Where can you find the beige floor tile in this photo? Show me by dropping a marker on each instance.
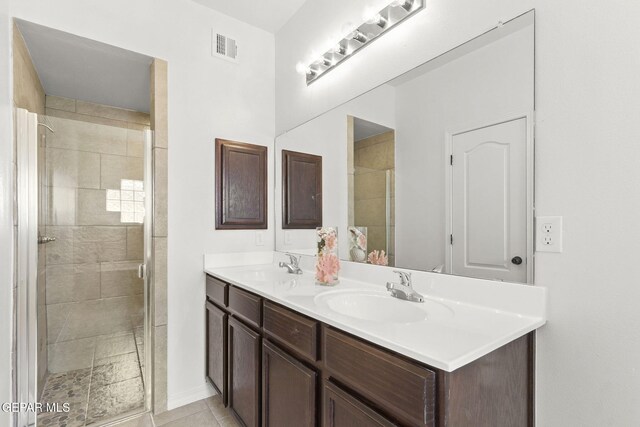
(142, 421)
(200, 419)
(181, 412)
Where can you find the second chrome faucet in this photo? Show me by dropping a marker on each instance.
(404, 290)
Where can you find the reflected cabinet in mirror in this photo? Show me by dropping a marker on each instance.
(434, 169)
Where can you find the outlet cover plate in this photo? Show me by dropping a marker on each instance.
(549, 234)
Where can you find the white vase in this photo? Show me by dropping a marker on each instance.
(357, 254)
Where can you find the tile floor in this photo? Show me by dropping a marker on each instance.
(111, 385)
(203, 413)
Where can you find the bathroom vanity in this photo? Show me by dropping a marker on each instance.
(283, 351)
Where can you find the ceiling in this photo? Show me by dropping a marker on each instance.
(363, 129)
(270, 15)
(79, 68)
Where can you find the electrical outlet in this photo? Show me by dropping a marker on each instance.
(549, 234)
(288, 238)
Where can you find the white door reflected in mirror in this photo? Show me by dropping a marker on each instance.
(488, 202)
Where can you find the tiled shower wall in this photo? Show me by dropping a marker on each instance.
(91, 269)
(373, 156)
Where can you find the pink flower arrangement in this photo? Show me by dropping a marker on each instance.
(330, 241)
(327, 268)
(378, 258)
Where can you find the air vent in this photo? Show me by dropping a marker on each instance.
(224, 47)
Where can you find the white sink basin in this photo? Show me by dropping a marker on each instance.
(380, 306)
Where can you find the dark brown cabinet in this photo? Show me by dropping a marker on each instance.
(288, 390)
(301, 190)
(241, 186)
(343, 410)
(217, 349)
(244, 372)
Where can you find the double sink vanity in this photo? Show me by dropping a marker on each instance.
(284, 351)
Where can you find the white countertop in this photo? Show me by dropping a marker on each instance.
(453, 332)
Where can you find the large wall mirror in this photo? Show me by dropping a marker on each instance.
(435, 167)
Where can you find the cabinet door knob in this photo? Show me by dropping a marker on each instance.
(516, 260)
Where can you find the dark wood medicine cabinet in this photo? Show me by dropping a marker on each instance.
(301, 190)
(241, 186)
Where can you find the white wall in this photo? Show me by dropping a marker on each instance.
(6, 210)
(326, 136)
(587, 157)
(486, 86)
(208, 98)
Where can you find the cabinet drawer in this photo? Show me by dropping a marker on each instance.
(401, 388)
(342, 409)
(246, 306)
(217, 291)
(291, 329)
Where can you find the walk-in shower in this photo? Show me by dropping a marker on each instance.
(85, 300)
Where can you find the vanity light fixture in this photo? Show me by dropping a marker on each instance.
(381, 22)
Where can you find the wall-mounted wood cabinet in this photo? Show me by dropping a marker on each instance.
(285, 369)
(301, 190)
(241, 186)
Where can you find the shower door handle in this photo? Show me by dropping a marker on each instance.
(142, 271)
(45, 239)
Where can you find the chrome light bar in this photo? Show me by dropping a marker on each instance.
(388, 18)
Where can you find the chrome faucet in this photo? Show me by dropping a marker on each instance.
(404, 289)
(293, 266)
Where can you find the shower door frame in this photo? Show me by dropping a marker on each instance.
(26, 327)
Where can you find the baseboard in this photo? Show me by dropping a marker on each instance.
(189, 396)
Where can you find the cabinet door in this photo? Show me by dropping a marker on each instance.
(344, 410)
(217, 349)
(244, 372)
(289, 390)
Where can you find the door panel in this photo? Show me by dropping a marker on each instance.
(217, 349)
(244, 372)
(289, 390)
(489, 202)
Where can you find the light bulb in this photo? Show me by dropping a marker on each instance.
(339, 49)
(301, 68)
(405, 4)
(377, 20)
(358, 36)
